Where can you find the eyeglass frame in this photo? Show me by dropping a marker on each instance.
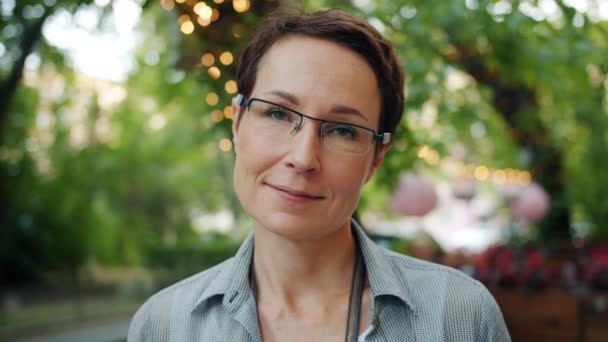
(383, 138)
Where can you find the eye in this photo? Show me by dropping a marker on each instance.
(278, 114)
(343, 131)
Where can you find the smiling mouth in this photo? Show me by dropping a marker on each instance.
(295, 193)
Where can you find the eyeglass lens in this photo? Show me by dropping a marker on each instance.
(277, 124)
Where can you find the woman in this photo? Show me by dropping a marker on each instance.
(321, 96)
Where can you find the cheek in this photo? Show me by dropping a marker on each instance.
(245, 178)
(252, 159)
(349, 179)
(245, 162)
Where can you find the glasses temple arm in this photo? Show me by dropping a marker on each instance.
(384, 138)
(241, 100)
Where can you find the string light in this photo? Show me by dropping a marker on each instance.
(218, 1)
(230, 87)
(499, 176)
(180, 1)
(229, 112)
(216, 115)
(430, 156)
(241, 5)
(226, 58)
(481, 173)
(225, 145)
(183, 18)
(215, 14)
(203, 10)
(207, 59)
(199, 6)
(167, 5)
(511, 175)
(212, 99)
(187, 27)
(214, 73)
(203, 22)
(524, 177)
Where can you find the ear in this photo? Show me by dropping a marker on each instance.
(235, 121)
(378, 159)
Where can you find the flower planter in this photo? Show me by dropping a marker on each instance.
(553, 315)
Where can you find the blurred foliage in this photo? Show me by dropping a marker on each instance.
(535, 81)
(109, 197)
(529, 92)
(173, 263)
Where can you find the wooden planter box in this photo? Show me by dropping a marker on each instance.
(553, 315)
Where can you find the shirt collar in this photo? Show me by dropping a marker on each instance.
(384, 278)
(232, 280)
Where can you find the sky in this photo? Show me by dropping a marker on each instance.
(107, 52)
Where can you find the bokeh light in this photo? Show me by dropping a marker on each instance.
(215, 14)
(241, 5)
(207, 59)
(229, 112)
(214, 73)
(183, 18)
(187, 27)
(167, 5)
(217, 115)
(230, 87)
(203, 10)
(481, 173)
(225, 145)
(212, 99)
(203, 22)
(226, 58)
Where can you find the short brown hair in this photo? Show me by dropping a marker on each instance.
(343, 29)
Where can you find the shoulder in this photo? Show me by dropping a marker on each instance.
(182, 295)
(430, 275)
(427, 281)
(442, 291)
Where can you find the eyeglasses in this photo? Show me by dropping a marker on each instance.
(278, 124)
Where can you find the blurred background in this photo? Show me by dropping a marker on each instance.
(116, 159)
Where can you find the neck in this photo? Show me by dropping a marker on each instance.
(297, 272)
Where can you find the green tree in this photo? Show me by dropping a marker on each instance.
(112, 195)
(540, 70)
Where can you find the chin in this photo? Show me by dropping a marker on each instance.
(295, 228)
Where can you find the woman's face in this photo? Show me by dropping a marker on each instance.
(299, 189)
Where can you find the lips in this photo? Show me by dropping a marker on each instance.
(295, 192)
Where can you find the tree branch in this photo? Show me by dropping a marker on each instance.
(9, 86)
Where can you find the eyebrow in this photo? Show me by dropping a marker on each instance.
(285, 96)
(339, 109)
(348, 110)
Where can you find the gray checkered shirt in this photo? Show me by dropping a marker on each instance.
(411, 300)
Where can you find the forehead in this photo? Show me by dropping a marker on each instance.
(320, 74)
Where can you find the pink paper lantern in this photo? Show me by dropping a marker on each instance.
(531, 204)
(414, 196)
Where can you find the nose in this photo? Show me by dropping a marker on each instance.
(303, 153)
